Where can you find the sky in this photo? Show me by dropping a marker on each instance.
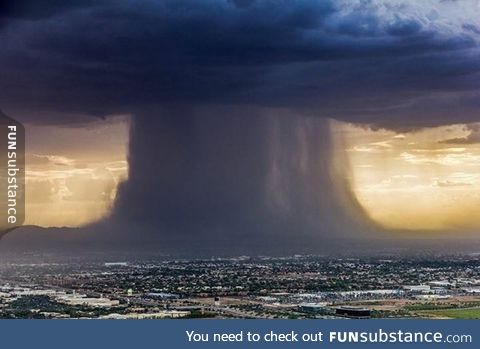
(72, 173)
(246, 125)
(426, 180)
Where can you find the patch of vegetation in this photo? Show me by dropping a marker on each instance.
(34, 307)
(430, 306)
(459, 313)
(400, 313)
(196, 314)
(439, 306)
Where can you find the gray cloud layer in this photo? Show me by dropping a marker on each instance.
(365, 61)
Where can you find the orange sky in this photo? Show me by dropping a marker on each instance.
(427, 179)
(72, 173)
(413, 180)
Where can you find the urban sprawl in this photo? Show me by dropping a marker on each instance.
(244, 287)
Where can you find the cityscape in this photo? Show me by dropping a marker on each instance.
(209, 166)
(295, 287)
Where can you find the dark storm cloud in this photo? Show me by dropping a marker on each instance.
(31, 9)
(295, 54)
(37, 10)
(221, 175)
(243, 3)
(229, 98)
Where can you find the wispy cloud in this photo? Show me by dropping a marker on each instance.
(472, 138)
(442, 159)
(449, 183)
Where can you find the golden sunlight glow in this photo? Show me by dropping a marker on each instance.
(72, 173)
(427, 179)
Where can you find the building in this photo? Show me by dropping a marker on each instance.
(471, 290)
(74, 299)
(162, 295)
(312, 308)
(431, 297)
(443, 284)
(170, 314)
(417, 288)
(116, 264)
(353, 312)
